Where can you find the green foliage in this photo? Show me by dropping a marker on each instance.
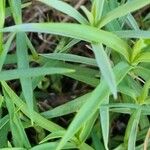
(119, 74)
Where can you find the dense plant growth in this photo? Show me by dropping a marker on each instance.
(99, 53)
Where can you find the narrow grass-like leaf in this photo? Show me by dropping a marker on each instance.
(85, 146)
(97, 9)
(88, 14)
(83, 77)
(104, 120)
(33, 51)
(2, 20)
(22, 55)
(130, 87)
(69, 45)
(105, 67)
(38, 119)
(19, 136)
(127, 105)
(133, 34)
(144, 92)
(80, 73)
(142, 72)
(4, 129)
(70, 58)
(141, 146)
(32, 72)
(53, 135)
(75, 105)
(146, 141)
(97, 144)
(120, 11)
(65, 8)
(15, 6)
(123, 111)
(85, 130)
(131, 131)
(10, 59)
(86, 75)
(23, 63)
(143, 57)
(6, 49)
(52, 146)
(92, 104)
(2, 12)
(82, 32)
(13, 148)
(8, 11)
(127, 91)
(137, 48)
(132, 22)
(68, 108)
(4, 121)
(109, 6)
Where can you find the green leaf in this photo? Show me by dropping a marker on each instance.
(31, 47)
(115, 24)
(15, 6)
(4, 129)
(31, 72)
(52, 146)
(8, 11)
(128, 108)
(69, 45)
(133, 34)
(82, 32)
(144, 92)
(85, 146)
(132, 22)
(105, 67)
(140, 147)
(97, 9)
(53, 135)
(65, 8)
(2, 12)
(88, 14)
(85, 130)
(143, 57)
(130, 87)
(96, 139)
(124, 89)
(19, 136)
(104, 120)
(131, 131)
(94, 101)
(142, 72)
(23, 63)
(138, 46)
(122, 10)
(70, 58)
(13, 149)
(83, 74)
(38, 119)
(6, 49)
(2, 20)
(67, 108)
